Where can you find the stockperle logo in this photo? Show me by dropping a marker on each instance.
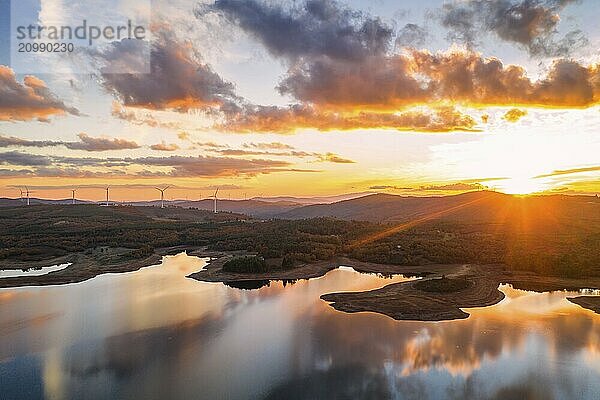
(79, 36)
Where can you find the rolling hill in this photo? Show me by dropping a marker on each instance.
(314, 200)
(482, 206)
(255, 208)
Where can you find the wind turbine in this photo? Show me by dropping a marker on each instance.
(21, 197)
(214, 196)
(27, 193)
(107, 189)
(162, 195)
(73, 198)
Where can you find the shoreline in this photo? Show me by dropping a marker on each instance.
(403, 301)
(212, 272)
(85, 266)
(400, 301)
(591, 303)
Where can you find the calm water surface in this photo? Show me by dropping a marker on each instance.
(153, 334)
(6, 273)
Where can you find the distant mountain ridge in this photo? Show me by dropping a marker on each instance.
(314, 200)
(255, 208)
(478, 206)
(483, 206)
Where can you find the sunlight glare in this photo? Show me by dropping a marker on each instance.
(521, 185)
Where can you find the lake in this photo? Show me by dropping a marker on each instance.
(7, 273)
(154, 334)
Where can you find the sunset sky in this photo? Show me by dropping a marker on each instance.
(264, 98)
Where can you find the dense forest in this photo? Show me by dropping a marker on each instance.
(45, 231)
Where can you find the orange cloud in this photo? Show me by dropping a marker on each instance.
(164, 146)
(514, 114)
(570, 171)
(419, 77)
(268, 146)
(334, 158)
(287, 120)
(28, 100)
(89, 143)
(178, 79)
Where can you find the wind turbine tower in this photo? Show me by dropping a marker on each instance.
(162, 195)
(215, 200)
(73, 197)
(27, 193)
(107, 189)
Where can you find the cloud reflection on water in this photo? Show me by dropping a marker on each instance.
(155, 334)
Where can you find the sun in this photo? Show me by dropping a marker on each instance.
(521, 185)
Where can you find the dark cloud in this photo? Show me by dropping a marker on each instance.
(87, 143)
(28, 100)
(10, 141)
(213, 166)
(375, 81)
(343, 74)
(178, 166)
(411, 35)
(23, 159)
(74, 172)
(531, 24)
(178, 79)
(312, 28)
(421, 77)
(52, 172)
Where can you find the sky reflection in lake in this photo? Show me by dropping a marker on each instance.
(155, 334)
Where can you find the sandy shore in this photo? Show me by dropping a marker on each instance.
(589, 302)
(87, 265)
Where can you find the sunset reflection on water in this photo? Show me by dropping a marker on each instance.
(155, 334)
